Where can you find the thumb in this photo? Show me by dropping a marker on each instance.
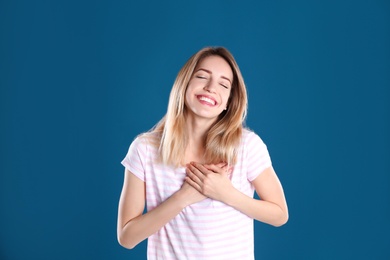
(221, 165)
(228, 169)
(217, 168)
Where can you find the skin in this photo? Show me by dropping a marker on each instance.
(212, 79)
(213, 182)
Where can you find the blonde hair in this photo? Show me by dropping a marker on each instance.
(224, 135)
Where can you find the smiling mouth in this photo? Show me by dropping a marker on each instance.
(207, 100)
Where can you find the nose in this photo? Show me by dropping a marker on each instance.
(210, 86)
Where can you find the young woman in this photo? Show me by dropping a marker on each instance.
(197, 171)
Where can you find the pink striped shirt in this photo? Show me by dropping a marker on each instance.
(208, 229)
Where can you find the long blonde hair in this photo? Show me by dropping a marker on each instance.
(224, 135)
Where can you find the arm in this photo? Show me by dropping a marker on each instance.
(212, 181)
(271, 208)
(133, 226)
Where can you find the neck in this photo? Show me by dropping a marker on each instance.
(197, 128)
(196, 132)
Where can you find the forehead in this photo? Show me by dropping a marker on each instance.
(216, 65)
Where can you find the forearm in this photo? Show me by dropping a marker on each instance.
(261, 210)
(139, 228)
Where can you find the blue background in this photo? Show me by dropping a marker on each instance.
(80, 79)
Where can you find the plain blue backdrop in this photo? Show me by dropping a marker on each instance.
(80, 79)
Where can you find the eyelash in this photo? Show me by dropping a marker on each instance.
(203, 77)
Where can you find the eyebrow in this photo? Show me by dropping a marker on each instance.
(208, 71)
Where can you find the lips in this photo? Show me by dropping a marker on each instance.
(207, 100)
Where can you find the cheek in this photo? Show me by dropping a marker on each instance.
(226, 97)
(188, 97)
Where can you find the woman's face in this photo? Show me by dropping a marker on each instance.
(209, 89)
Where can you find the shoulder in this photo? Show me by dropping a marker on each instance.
(147, 139)
(250, 137)
(145, 143)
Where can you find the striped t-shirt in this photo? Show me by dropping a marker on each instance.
(208, 229)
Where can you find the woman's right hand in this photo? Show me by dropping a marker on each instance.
(133, 225)
(189, 194)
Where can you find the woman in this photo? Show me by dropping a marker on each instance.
(197, 171)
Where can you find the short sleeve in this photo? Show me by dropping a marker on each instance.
(135, 157)
(258, 158)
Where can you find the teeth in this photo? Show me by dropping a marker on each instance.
(208, 100)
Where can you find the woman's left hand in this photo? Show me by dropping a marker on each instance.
(211, 180)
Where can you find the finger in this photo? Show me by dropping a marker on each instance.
(193, 184)
(194, 174)
(228, 169)
(199, 169)
(217, 169)
(221, 164)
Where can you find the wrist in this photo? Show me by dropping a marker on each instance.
(179, 199)
(232, 197)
